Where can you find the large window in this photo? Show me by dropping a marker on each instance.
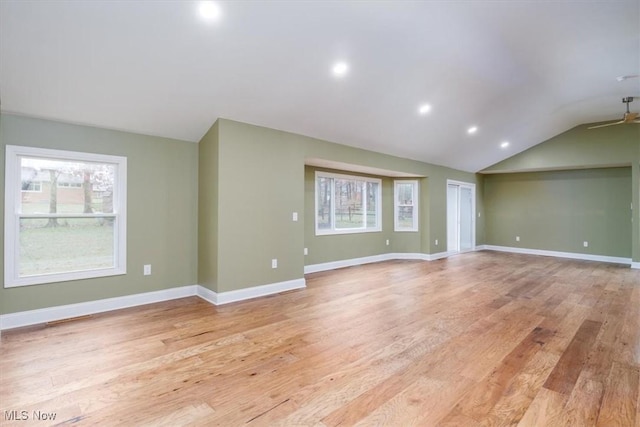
(405, 205)
(347, 204)
(65, 216)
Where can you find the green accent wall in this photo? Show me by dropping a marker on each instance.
(327, 248)
(261, 179)
(480, 211)
(337, 247)
(208, 180)
(261, 184)
(433, 187)
(559, 210)
(217, 213)
(162, 202)
(576, 149)
(635, 229)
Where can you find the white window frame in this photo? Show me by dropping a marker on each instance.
(333, 230)
(397, 205)
(12, 216)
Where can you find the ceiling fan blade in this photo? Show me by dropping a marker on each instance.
(608, 124)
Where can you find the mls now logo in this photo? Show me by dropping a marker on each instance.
(16, 415)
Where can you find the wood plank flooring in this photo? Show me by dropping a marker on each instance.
(480, 339)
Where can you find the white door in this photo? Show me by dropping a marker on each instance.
(460, 216)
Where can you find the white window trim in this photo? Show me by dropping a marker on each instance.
(396, 205)
(333, 230)
(12, 216)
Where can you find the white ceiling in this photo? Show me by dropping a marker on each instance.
(522, 71)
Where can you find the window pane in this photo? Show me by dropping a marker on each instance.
(65, 186)
(323, 192)
(405, 194)
(372, 205)
(352, 204)
(59, 245)
(405, 217)
(349, 208)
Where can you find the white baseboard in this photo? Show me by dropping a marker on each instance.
(207, 294)
(50, 314)
(439, 255)
(219, 298)
(635, 265)
(557, 254)
(407, 255)
(314, 268)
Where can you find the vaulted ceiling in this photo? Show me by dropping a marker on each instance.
(520, 71)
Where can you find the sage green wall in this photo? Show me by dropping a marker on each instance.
(635, 185)
(480, 211)
(208, 181)
(559, 210)
(261, 184)
(335, 247)
(582, 148)
(251, 181)
(263, 170)
(161, 210)
(433, 189)
(577, 148)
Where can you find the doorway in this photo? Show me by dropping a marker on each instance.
(461, 214)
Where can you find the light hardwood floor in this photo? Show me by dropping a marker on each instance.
(477, 339)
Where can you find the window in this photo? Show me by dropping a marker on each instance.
(405, 206)
(347, 204)
(31, 187)
(69, 184)
(61, 235)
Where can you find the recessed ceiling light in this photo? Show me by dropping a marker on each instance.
(424, 109)
(209, 10)
(505, 144)
(472, 130)
(340, 69)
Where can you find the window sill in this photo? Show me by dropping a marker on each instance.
(348, 231)
(62, 277)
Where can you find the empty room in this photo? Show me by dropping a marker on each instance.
(320, 213)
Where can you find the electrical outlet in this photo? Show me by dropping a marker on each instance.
(295, 216)
(387, 242)
(436, 242)
(274, 263)
(517, 238)
(306, 251)
(147, 270)
(585, 244)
